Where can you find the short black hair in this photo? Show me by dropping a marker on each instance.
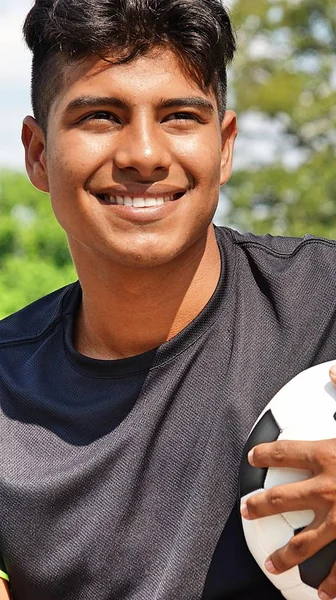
(59, 32)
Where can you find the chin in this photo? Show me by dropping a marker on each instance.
(145, 260)
(132, 252)
(147, 251)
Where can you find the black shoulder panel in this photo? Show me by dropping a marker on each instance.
(253, 478)
(315, 569)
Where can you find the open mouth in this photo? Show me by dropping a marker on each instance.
(139, 201)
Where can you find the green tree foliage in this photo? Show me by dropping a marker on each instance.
(34, 257)
(285, 75)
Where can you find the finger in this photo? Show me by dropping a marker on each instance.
(286, 453)
(327, 589)
(301, 547)
(332, 374)
(302, 495)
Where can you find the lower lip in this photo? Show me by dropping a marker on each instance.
(142, 215)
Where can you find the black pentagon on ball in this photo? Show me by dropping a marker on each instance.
(316, 568)
(253, 478)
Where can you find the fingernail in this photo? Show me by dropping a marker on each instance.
(244, 510)
(333, 370)
(270, 567)
(323, 596)
(251, 453)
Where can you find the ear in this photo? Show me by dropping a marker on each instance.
(229, 133)
(33, 140)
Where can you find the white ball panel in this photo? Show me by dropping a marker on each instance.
(318, 427)
(284, 475)
(304, 410)
(299, 398)
(299, 518)
(301, 592)
(274, 477)
(291, 400)
(271, 533)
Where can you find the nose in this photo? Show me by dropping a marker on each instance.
(143, 147)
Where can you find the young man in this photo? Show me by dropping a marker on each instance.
(126, 398)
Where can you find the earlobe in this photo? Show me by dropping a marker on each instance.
(229, 134)
(33, 140)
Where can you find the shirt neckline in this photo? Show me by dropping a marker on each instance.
(156, 357)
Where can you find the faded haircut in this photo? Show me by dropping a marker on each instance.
(61, 32)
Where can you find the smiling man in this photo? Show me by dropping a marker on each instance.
(126, 398)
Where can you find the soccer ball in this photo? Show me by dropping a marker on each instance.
(304, 409)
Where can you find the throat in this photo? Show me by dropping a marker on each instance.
(142, 310)
(116, 334)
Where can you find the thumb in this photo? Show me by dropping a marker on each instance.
(332, 373)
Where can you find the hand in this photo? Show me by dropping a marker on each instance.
(4, 593)
(317, 493)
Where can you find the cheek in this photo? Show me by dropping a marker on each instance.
(74, 159)
(201, 158)
(67, 173)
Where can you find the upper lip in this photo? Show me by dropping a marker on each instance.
(141, 191)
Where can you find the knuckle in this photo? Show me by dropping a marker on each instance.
(298, 547)
(329, 447)
(325, 452)
(279, 454)
(326, 492)
(258, 453)
(331, 521)
(276, 499)
(321, 456)
(330, 490)
(279, 563)
(252, 506)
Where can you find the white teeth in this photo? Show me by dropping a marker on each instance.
(150, 201)
(138, 201)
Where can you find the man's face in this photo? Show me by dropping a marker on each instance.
(133, 159)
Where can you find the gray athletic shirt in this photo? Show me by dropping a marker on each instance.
(117, 477)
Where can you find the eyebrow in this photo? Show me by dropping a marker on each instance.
(189, 101)
(113, 102)
(94, 101)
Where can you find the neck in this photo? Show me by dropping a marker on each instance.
(127, 311)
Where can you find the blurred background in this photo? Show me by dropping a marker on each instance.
(283, 87)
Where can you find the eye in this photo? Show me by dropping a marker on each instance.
(101, 115)
(182, 116)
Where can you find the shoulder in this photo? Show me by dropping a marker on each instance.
(283, 264)
(276, 245)
(34, 320)
(275, 253)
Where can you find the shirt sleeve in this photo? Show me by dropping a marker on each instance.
(3, 570)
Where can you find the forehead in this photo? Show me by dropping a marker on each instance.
(145, 79)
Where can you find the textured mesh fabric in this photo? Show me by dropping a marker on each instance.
(117, 478)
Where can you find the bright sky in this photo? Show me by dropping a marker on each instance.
(15, 61)
(15, 64)
(14, 80)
